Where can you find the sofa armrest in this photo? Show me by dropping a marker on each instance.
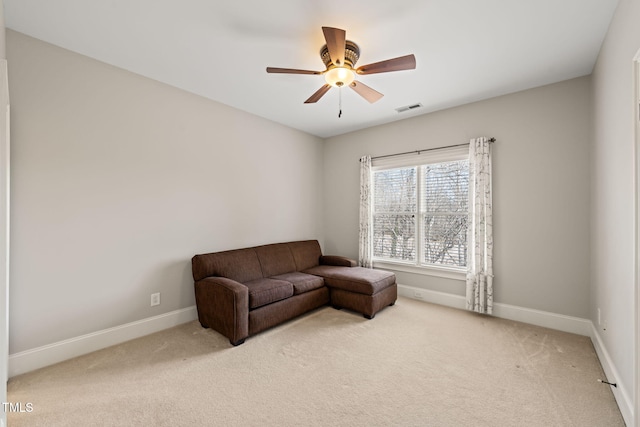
(223, 304)
(337, 261)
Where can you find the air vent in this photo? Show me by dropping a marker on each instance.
(409, 107)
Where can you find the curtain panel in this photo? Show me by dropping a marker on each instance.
(365, 250)
(480, 229)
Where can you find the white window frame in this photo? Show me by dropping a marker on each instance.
(426, 157)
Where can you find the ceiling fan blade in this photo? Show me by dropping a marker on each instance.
(407, 62)
(290, 71)
(366, 92)
(316, 96)
(335, 39)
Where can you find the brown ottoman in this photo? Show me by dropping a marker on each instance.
(364, 290)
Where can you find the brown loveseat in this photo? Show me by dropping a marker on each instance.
(244, 291)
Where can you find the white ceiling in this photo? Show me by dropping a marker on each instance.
(466, 50)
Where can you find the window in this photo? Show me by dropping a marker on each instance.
(420, 210)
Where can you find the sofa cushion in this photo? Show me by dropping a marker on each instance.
(275, 259)
(266, 291)
(306, 253)
(240, 265)
(301, 282)
(354, 279)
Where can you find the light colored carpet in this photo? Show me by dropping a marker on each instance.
(415, 364)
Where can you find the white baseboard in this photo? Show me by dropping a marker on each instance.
(440, 298)
(625, 403)
(545, 319)
(36, 358)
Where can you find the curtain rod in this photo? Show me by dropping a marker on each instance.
(426, 149)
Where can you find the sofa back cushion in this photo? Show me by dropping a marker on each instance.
(306, 253)
(275, 259)
(241, 265)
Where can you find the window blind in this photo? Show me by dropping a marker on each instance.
(395, 205)
(420, 210)
(445, 213)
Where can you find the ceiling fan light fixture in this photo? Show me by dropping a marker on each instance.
(340, 56)
(339, 76)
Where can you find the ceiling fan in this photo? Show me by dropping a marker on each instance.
(340, 56)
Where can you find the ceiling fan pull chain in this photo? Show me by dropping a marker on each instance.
(340, 101)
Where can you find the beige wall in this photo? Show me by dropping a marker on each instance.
(118, 180)
(613, 193)
(541, 190)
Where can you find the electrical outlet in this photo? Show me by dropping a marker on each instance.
(418, 295)
(155, 299)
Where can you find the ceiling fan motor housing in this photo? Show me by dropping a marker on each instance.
(351, 55)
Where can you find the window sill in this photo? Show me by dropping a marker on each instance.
(447, 273)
